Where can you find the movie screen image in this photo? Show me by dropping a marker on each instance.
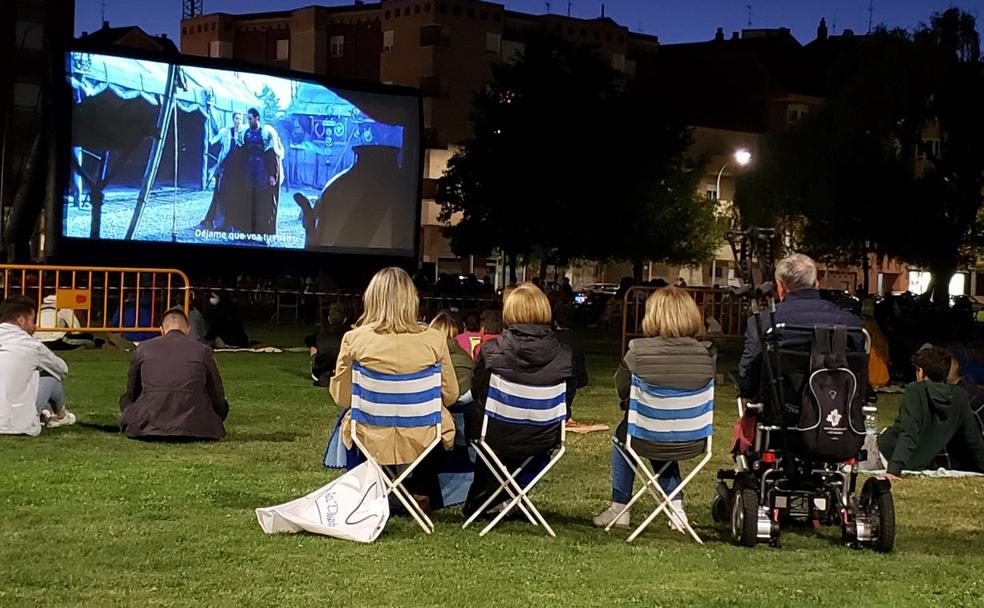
(185, 154)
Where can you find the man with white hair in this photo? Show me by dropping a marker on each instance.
(800, 304)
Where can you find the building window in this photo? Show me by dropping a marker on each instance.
(710, 192)
(283, 50)
(199, 28)
(584, 33)
(387, 40)
(618, 62)
(427, 7)
(416, 9)
(484, 15)
(442, 7)
(608, 37)
(795, 112)
(621, 38)
(934, 146)
(387, 14)
(496, 17)
(456, 10)
(570, 30)
(434, 35)
(184, 30)
(597, 35)
(213, 26)
(493, 43)
(470, 12)
(337, 46)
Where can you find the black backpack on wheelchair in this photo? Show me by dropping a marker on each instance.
(823, 390)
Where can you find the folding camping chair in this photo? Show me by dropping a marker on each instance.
(401, 401)
(519, 405)
(665, 421)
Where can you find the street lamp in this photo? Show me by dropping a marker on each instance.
(742, 157)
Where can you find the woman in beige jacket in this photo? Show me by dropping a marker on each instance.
(388, 339)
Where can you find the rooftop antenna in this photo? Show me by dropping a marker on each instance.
(192, 8)
(102, 11)
(871, 10)
(748, 7)
(570, 4)
(548, 6)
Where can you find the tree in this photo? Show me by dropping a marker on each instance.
(853, 172)
(653, 208)
(564, 163)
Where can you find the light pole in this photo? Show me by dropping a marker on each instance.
(742, 157)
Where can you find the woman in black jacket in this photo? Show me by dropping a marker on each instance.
(528, 353)
(670, 356)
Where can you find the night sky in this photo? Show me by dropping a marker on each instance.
(671, 20)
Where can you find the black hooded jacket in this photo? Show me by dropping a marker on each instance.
(525, 354)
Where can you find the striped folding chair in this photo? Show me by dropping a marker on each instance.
(401, 401)
(665, 424)
(509, 405)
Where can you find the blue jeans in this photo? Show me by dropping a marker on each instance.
(51, 395)
(623, 477)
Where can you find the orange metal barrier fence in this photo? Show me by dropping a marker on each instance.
(102, 299)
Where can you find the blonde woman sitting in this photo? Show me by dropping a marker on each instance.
(669, 356)
(388, 339)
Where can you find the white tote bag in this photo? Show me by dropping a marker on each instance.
(353, 507)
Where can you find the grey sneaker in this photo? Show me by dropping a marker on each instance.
(677, 516)
(67, 420)
(608, 515)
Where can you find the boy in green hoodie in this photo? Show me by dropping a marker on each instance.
(934, 416)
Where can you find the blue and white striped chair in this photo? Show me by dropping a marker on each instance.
(520, 405)
(665, 420)
(401, 401)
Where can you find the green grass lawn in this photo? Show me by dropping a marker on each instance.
(90, 518)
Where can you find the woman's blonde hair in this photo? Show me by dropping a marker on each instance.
(672, 313)
(445, 323)
(390, 303)
(526, 304)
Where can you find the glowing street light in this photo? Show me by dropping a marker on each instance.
(742, 157)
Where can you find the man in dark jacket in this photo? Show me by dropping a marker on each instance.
(935, 416)
(797, 288)
(174, 390)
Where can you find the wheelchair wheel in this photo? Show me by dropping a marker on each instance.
(884, 507)
(744, 517)
(721, 506)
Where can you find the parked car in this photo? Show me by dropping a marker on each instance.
(605, 288)
(843, 299)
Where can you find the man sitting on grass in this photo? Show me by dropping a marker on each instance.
(174, 390)
(935, 427)
(31, 392)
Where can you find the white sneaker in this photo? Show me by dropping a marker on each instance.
(608, 515)
(67, 420)
(45, 416)
(678, 517)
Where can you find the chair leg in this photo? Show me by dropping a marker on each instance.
(523, 491)
(503, 486)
